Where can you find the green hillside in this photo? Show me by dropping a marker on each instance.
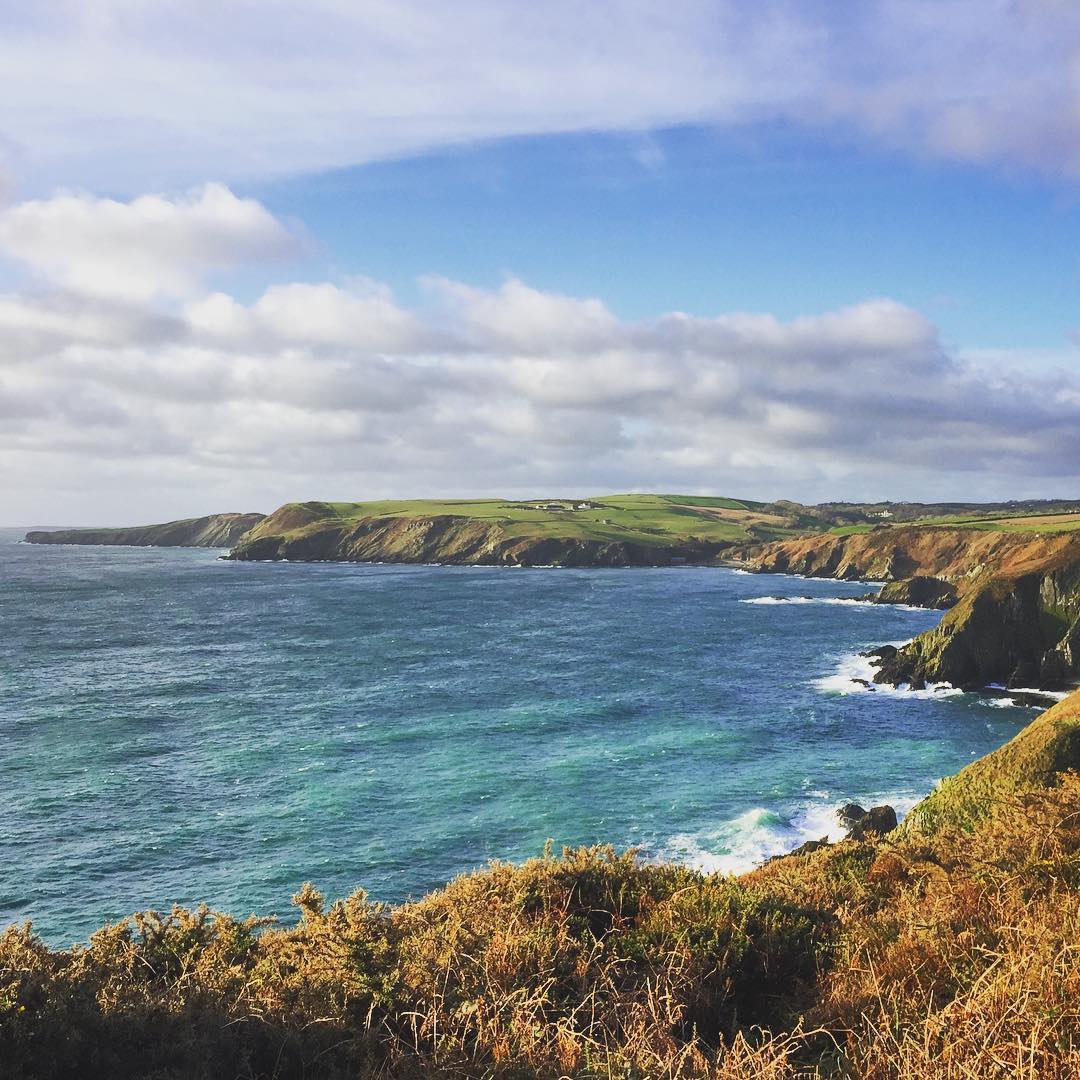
(645, 519)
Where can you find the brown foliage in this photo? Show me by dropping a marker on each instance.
(950, 956)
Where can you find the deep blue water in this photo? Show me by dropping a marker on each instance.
(175, 728)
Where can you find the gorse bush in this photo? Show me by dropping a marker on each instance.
(946, 956)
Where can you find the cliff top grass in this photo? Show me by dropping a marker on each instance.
(1042, 524)
(1018, 523)
(643, 519)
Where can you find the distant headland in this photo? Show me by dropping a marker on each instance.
(213, 530)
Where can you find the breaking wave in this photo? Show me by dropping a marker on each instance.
(746, 841)
(845, 601)
(855, 675)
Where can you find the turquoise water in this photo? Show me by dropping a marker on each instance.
(175, 728)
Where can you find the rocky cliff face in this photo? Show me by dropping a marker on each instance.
(215, 530)
(895, 553)
(1014, 630)
(302, 535)
(1016, 618)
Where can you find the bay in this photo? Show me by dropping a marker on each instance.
(176, 729)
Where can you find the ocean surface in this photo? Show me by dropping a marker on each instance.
(176, 729)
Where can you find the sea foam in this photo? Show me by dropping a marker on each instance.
(855, 671)
(758, 834)
(844, 601)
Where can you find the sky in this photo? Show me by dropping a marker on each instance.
(255, 253)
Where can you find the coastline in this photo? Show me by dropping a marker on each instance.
(565, 600)
(350, 978)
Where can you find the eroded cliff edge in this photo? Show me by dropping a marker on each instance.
(212, 531)
(1016, 620)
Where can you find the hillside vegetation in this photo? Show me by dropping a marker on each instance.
(946, 949)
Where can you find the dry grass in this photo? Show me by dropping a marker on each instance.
(947, 956)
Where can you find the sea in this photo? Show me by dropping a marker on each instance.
(178, 729)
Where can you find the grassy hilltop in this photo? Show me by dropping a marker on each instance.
(609, 530)
(946, 949)
(643, 518)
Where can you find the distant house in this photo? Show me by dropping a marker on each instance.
(563, 506)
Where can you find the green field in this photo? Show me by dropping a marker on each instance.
(1016, 523)
(851, 530)
(1043, 524)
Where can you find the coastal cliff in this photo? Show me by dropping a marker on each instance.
(1016, 618)
(895, 553)
(212, 531)
(312, 532)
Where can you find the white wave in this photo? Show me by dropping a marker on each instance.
(736, 846)
(758, 834)
(1057, 695)
(855, 675)
(845, 601)
(777, 600)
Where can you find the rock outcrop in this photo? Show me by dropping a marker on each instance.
(214, 530)
(1019, 630)
(892, 553)
(862, 824)
(1014, 600)
(918, 591)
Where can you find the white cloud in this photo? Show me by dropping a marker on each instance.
(143, 248)
(517, 317)
(361, 316)
(322, 389)
(132, 96)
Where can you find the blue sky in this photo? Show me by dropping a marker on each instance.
(363, 248)
(706, 221)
